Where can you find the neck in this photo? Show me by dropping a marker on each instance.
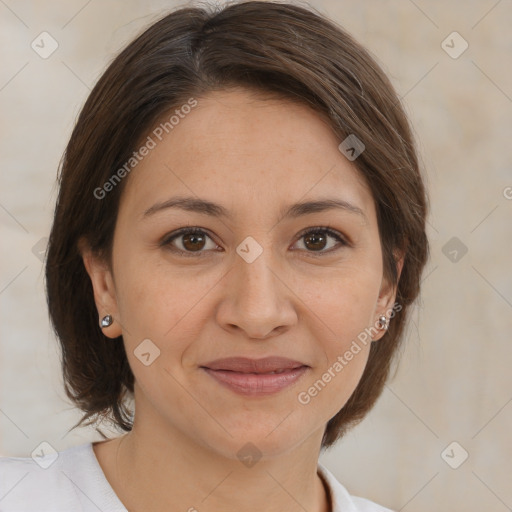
(152, 471)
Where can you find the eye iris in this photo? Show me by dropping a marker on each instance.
(316, 238)
(193, 238)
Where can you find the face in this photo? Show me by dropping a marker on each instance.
(255, 278)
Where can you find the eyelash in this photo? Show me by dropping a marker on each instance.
(168, 239)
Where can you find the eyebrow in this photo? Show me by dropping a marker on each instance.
(202, 206)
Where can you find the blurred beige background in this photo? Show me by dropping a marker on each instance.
(454, 384)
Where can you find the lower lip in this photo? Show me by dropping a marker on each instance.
(251, 384)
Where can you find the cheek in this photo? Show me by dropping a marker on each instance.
(343, 313)
(344, 302)
(154, 298)
(167, 306)
(156, 305)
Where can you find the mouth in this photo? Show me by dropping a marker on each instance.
(256, 377)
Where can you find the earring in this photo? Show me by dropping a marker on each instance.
(383, 322)
(106, 321)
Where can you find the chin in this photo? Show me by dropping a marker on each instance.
(261, 441)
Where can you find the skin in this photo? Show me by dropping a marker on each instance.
(254, 156)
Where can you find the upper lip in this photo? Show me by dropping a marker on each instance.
(247, 365)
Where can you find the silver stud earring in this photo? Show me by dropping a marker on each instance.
(383, 322)
(106, 321)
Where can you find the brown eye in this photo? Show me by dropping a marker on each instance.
(188, 241)
(194, 241)
(317, 239)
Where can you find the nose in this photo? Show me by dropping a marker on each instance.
(256, 299)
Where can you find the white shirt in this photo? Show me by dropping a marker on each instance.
(74, 481)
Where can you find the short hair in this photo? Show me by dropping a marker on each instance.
(287, 50)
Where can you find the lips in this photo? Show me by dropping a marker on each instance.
(256, 377)
(267, 365)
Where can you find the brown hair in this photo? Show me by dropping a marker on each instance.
(280, 48)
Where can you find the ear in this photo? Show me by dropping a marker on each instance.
(387, 295)
(103, 287)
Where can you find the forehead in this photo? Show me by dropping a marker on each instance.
(245, 150)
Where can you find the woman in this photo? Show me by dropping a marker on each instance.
(237, 241)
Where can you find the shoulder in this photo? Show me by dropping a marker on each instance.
(342, 501)
(40, 479)
(50, 481)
